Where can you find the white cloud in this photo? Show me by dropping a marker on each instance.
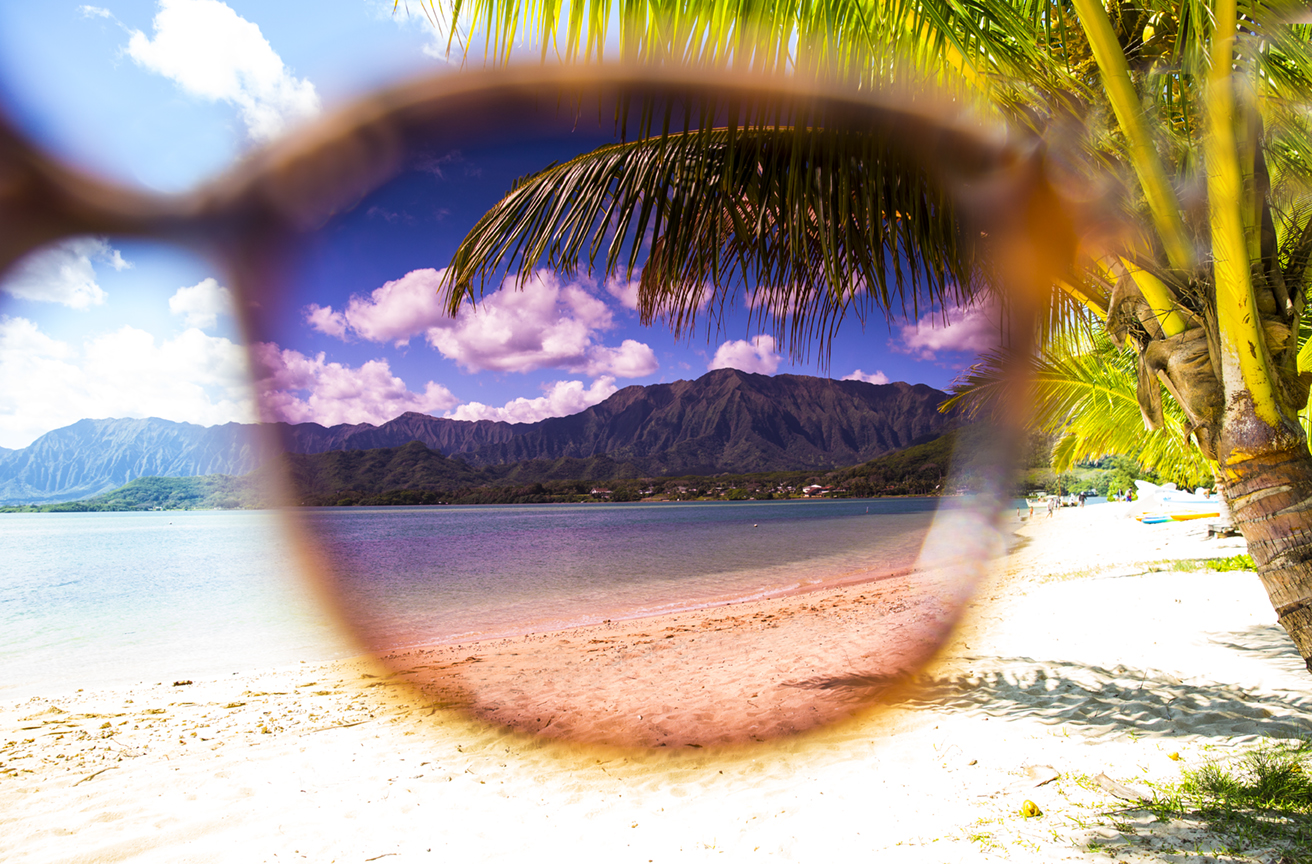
(94, 12)
(300, 389)
(193, 378)
(325, 320)
(202, 303)
(756, 299)
(868, 377)
(436, 48)
(625, 292)
(632, 359)
(398, 311)
(20, 337)
(759, 355)
(966, 329)
(64, 273)
(432, 19)
(213, 53)
(545, 323)
(563, 398)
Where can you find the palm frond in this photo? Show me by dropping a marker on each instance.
(1083, 389)
(818, 222)
(983, 51)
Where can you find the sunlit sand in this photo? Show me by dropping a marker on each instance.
(1078, 658)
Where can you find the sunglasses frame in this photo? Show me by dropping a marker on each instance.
(248, 218)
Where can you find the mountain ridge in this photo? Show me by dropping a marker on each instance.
(58, 466)
(724, 421)
(670, 427)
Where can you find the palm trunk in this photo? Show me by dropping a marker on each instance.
(1269, 490)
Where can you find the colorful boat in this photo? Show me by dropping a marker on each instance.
(1169, 504)
(1156, 518)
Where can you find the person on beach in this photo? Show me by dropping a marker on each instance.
(1052, 505)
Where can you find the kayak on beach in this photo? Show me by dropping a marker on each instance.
(1149, 518)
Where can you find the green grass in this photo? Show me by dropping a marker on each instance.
(1261, 799)
(1272, 777)
(1220, 565)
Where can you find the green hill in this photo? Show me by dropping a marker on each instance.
(211, 492)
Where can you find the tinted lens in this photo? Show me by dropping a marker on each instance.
(553, 519)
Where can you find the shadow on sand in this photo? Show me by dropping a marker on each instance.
(1099, 700)
(1094, 701)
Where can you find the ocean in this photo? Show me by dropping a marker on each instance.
(104, 599)
(100, 599)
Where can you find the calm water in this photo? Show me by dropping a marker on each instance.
(442, 574)
(92, 599)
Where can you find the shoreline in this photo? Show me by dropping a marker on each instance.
(1183, 546)
(113, 653)
(1076, 639)
(30, 509)
(670, 610)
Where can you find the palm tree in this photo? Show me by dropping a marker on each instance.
(1085, 391)
(1195, 111)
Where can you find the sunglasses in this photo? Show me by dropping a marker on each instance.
(415, 587)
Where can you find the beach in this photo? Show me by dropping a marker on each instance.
(1081, 656)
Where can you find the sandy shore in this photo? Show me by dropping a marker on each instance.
(1078, 657)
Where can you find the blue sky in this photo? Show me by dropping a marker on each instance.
(165, 95)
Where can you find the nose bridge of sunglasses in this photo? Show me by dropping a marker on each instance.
(42, 200)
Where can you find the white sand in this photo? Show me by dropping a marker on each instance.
(1076, 656)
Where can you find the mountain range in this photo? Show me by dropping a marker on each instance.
(95, 456)
(725, 421)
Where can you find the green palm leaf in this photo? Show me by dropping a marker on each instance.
(854, 39)
(1084, 390)
(820, 222)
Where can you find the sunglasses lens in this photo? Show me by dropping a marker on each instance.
(591, 595)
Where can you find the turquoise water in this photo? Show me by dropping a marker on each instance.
(95, 599)
(91, 599)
